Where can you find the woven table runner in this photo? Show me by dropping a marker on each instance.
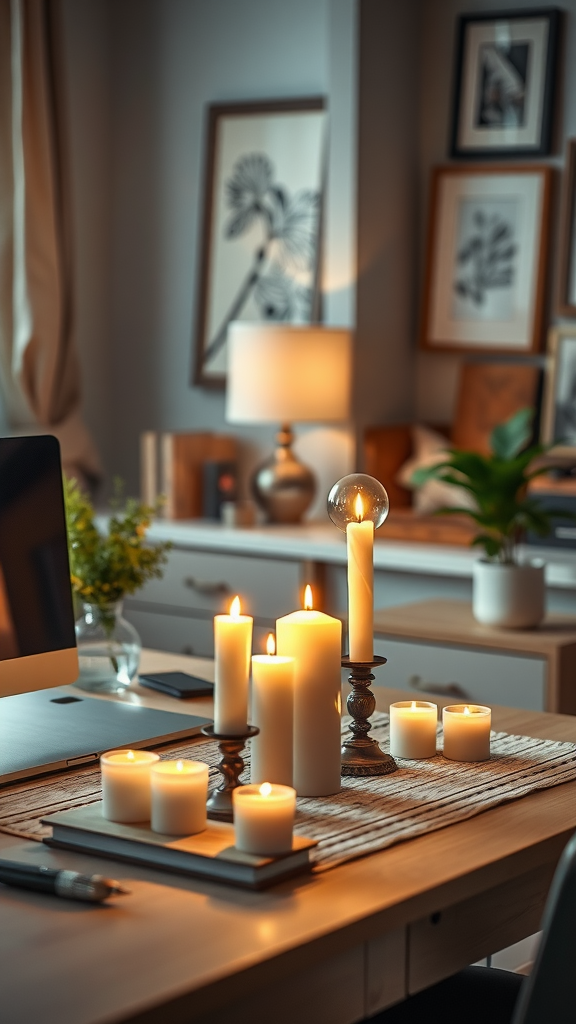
(367, 815)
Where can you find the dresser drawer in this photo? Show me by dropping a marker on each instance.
(184, 634)
(480, 676)
(207, 582)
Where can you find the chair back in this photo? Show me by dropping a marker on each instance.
(548, 996)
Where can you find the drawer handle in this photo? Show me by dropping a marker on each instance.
(207, 587)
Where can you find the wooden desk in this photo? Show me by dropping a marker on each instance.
(328, 949)
(451, 624)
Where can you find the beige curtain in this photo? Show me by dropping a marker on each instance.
(39, 372)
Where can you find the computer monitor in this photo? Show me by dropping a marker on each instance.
(37, 639)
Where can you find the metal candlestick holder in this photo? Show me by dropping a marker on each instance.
(362, 755)
(219, 804)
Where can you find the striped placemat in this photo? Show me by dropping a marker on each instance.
(367, 815)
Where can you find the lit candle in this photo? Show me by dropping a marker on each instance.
(126, 784)
(314, 640)
(272, 713)
(264, 818)
(360, 544)
(413, 729)
(467, 732)
(232, 647)
(179, 793)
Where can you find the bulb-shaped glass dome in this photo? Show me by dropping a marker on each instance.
(357, 498)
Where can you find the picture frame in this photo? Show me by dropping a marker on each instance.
(260, 247)
(505, 76)
(486, 259)
(567, 270)
(559, 400)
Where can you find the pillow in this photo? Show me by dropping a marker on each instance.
(429, 448)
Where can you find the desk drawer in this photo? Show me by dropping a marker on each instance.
(183, 634)
(481, 676)
(207, 582)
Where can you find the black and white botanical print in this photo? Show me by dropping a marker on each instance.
(565, 397)
(284, 227)
(486, 258)
(501, 89)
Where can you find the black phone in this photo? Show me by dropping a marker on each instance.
(178, 684)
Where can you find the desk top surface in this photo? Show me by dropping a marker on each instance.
(68, 962)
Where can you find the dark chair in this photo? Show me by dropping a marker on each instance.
(483, 994)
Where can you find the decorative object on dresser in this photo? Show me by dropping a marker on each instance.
(104, 568)
(262, 220)
(173, 465)
(567, 275)
(282, 373)
(504, 83)
(559, 414)
(487, 259)
(505, 592)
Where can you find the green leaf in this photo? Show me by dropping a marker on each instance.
(508, 439)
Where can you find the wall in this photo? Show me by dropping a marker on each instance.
(437, 374)
(171, 58)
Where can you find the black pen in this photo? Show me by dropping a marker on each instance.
(69, 884)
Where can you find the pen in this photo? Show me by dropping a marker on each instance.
(69, 884)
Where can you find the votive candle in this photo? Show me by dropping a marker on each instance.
(126, 784)
(413, 729)
(179, 793)
(232, 647)
(264, 818)
(467, 732)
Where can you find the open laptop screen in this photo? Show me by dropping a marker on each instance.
(37, 640)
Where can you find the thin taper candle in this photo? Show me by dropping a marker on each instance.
(360, 544)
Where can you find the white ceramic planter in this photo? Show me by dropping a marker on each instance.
(511, 596)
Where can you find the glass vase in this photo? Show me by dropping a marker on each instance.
(108, 649)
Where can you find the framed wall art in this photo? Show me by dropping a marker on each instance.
(260, 246)
(486, 259)
(567, 275)
(559, 407)
(504, 83)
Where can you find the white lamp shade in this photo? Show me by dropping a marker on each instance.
(285, 373)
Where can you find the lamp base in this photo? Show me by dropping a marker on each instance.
(283, 487)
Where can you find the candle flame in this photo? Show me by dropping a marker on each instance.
(270, 644)
(179, 766)
(265, 789)
(130, 755)
(359, 507)
(235, 608)
(308, 601)
(466, 710)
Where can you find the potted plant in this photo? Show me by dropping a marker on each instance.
(105, 565)
(505, 592)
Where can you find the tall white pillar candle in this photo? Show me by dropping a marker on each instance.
(264, 818)
(360, 544)
(232, 648)
(179, 793)
(126, 784)
(413, 729)
(467, 732)
(271, 756)
(314, 640)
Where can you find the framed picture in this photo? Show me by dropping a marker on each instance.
(504, 83)
(567, 275)
(486, 259)
(559, 407)
(260, 247)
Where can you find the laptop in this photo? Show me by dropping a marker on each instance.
(45, 724)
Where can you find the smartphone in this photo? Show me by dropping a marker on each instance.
(178, 684)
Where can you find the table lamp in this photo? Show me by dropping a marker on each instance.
(286, 373)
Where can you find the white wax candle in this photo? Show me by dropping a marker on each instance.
(179, 794)
(126, 784)
(360, 544)
(467, 732)
(232, 647)
(272, 712)
(413, 729)
(314, 640)
(264, 818)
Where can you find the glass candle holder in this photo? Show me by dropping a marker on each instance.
(343, 507)
(413, 729)
(467, 732)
